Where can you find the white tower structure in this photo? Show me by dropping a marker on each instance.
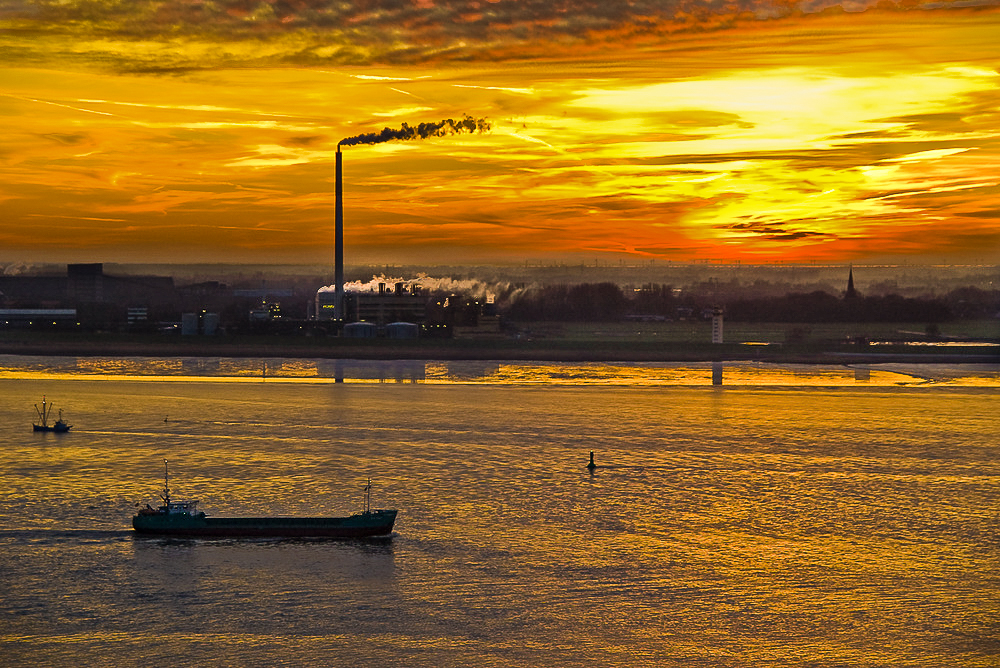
(717, 325)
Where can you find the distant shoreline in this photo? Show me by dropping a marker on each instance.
(532, 351)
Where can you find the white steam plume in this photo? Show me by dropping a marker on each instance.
(468, 287)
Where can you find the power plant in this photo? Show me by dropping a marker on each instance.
(404, 301)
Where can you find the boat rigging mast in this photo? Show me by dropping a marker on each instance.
(166, 484)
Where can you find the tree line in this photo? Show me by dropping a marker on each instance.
(605, 302)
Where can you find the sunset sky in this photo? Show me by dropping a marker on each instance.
(678, 130)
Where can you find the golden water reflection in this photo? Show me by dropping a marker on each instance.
(276, 370)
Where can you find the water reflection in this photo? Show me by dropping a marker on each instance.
(280, 370)
(729, 527)
(175, 564)
(463, 371)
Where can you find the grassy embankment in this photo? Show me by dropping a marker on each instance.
(656, 341)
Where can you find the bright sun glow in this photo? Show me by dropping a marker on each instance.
(870, 142)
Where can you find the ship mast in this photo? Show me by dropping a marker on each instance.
(166, 483)
(368, 496)
(43, 414)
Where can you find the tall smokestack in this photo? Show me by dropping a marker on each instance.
(405, 132)
(338, 239)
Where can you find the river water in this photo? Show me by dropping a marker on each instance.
(791, 516)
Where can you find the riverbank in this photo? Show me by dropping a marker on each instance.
(624, 349)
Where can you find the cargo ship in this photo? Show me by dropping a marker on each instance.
(182, 518)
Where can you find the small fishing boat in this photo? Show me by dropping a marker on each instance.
(182, 518)
(44, 413)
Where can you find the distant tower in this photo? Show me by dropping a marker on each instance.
(716, 325)
(851, 292)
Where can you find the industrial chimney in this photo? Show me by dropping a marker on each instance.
(338, 239)
(406, 132)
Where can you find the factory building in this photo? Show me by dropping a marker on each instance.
(84, 297)
(38, 318)
(404, 303)
(86, 284)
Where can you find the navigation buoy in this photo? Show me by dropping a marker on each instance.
(591, 465)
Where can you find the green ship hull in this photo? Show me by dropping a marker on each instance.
(182, 518)
(362, 525)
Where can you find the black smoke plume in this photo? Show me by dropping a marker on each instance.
(422, 131)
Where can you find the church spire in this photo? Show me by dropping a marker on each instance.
(851, 292)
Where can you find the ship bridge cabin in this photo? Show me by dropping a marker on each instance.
(185, 507)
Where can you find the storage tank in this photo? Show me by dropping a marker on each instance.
(402, 330)
(360, 330)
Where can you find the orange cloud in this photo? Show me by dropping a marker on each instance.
(618, 131)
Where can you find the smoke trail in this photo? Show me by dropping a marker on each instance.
(470, 287)
(406, 132)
